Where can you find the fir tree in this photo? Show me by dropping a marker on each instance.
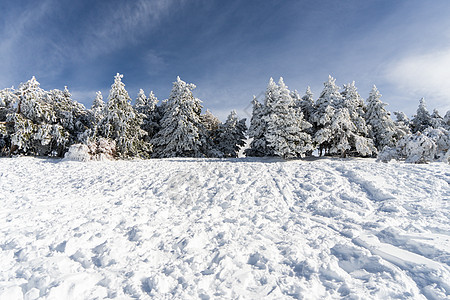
(147, 107)
(256, 131)
(382, 128)
(436, 120)
(355, 126)
(122, 124)
(231, 135)
(182, 133)
(286, 128)
(422, 119)
(323, 114)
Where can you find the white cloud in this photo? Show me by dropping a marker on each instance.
(424, 75)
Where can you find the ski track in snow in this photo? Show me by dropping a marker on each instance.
(210, 228)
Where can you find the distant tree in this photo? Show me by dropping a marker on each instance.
(258, 127)
(286, 129)
(354, 130)
(401, 124)
(382, 128)
(323, 114)
(231, 135)
(35, 127)
(122, 124)
(182, 134)
(447, 120)
(422, 119)
(147, 107)
(98, 107)
(436, 120)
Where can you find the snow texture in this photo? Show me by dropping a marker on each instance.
(224, 228)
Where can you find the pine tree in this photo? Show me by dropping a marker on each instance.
(122, 124)
(307, 105)
(97, 108)
(147, 107)
(401, 124)
(422, 119)
(286, 128)
(357, 131)
(447, 120)
(231, 135)
(382, 128)
(182, 133)
(257, 129)
(436, 120)
(325, 106)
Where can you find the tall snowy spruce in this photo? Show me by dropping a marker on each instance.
(286, 129)
(256, 131)
(146, 106)
(182, 133)
(351, 126)
(323, 114)
(122, 124)
(231, 135)
(382, 128)
(307, 105)
(422, 119)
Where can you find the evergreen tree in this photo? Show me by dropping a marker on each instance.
(122, 124)
(382, 128)
(257, 129)
(97, 108)
(401, 124)
(422, 119)
(436, 120)
(147, 107)
(447, 120)
(231, 135)
(307, 105)
(182, 133)
(323, 114)
(357, 131)
(286, 128)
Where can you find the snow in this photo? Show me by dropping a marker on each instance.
(224, 228)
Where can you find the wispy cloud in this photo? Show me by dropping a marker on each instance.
(424, 75)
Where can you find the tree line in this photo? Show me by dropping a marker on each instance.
(339, 122)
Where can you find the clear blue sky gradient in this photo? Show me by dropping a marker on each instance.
(230, 49)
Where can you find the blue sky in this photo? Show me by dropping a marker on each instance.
(230, 49)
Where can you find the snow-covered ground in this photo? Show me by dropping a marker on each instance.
(208, 229)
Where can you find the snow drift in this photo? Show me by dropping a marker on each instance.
(211, 228)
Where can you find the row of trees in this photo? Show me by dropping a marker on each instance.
(46, 123)
(339, 122)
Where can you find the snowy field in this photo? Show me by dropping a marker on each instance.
(222, 229)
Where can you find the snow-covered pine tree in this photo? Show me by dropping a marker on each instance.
(354, 130)
(182, 133)
(122, 124)
(422, 119)
(307, 105)
(286, 129)
(447, 120)
(382, 128)
(436, 120)
(258, 126)
(98, 106)
(401, 125)
(231, 135)
(147, 107)
(323, 114)
(34, 127)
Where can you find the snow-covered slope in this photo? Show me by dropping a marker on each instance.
(208, 229)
